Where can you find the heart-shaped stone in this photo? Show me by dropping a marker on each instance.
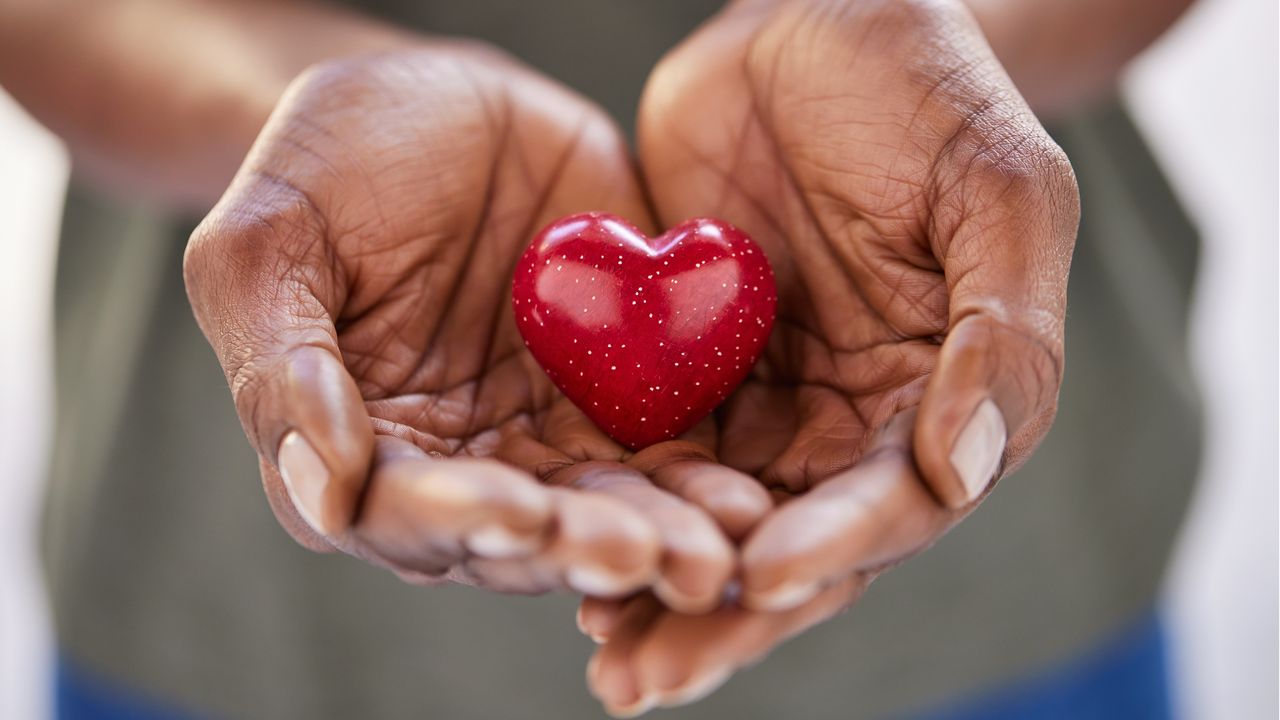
(646, 335)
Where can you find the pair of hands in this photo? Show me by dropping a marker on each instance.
(355, 283)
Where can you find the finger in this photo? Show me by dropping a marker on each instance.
(569, 432)
(286, 511)
(696, 558)
(594, 174)
(877, 512)
(605, 545)
(994, 390)
(264, 294)
(602, 546)
(597, 618)
(684, 658)
(609, 673)
(736, 501)
(516, 576)
(1009, 223)
(425, 514)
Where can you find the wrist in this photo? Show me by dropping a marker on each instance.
(164, 99)
(1065, 53)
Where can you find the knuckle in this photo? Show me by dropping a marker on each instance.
(380, 77)
(343, 92)
(195, 262)
(485, 52)
(337, 74)
(259, 232)
(994, 147)
(1062, 188)
(247, 262)
(1005, 164)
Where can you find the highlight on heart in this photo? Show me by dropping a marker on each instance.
(645, 335)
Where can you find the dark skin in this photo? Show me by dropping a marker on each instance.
(921, 277)
(373, 321)
(918, 219)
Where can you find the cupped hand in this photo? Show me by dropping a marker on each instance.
(920, 223)
(354, 282)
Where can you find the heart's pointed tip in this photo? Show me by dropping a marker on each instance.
(636, 443)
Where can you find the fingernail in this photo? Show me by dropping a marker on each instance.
(595, 581)
(683, 602)
(630, 710)
(976, 454)
(693, 691)
(305, 478)
(782, 597)
(582, 628)
(606, 690)
(499, 542)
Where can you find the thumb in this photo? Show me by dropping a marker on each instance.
(989, 402)
(264, 290)
(994, 390)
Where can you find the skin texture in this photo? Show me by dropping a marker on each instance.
(355, 283)
(921, 275)
(161, 99)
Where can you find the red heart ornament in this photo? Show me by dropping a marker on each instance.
(645, 335)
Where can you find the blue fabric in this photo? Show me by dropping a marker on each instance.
(80, 695)
(1126, 679)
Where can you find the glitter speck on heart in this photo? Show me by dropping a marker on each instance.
(685, 288)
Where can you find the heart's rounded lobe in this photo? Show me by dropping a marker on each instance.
(646, 335)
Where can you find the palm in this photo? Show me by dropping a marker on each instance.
(427, 213)
(402, 216)
(920, 223)
(862, 301)
(426, 329)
